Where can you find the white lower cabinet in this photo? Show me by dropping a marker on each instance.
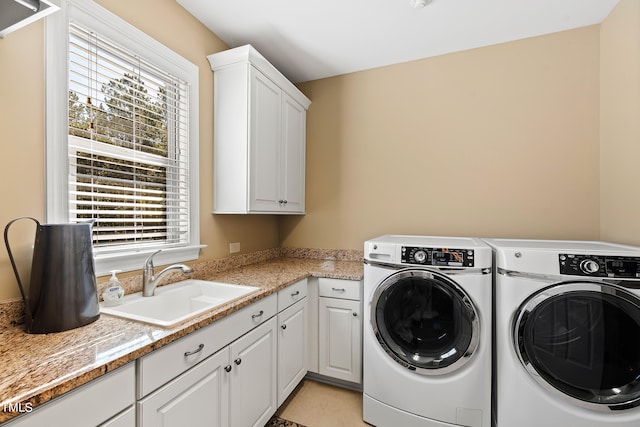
(292, 345)
(234, 387)
(199, 397)
(253, 395)
(107, 401)
(340, 329)
(240, 385)
(232, 373)
(221, 375)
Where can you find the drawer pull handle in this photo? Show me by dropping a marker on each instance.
(284, 326)
(227, 368)
(295, 294)
(238, 361)
(191, 353)
(253, 316)
(338, 289)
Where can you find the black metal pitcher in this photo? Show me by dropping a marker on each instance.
(63, 294)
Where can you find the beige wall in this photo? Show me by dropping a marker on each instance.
(22, 130)
(620, 124)
(499, 141)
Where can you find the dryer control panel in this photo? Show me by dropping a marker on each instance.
(600, 266)
(437, 256)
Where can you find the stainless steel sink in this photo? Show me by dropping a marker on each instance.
(177, 303)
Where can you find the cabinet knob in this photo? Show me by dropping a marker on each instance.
(227, 368)
(284, 326)
(238, 361)
(354, 314)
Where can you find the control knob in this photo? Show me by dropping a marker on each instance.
(589, 266)
(420, 256)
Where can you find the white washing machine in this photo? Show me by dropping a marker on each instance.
(567, 334)
(427, 332)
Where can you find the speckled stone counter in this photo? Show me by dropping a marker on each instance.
(37, 368)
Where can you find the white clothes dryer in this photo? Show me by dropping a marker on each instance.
(567, 334)
(427, 332)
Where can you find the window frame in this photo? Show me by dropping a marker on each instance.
(91, 15)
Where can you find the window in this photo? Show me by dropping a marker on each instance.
(121, 138)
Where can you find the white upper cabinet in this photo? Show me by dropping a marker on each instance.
(259, 136)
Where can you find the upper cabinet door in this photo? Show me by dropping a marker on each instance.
(294, 124)
(265, 143)
(259, 136)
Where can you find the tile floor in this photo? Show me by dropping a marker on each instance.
(315, 404)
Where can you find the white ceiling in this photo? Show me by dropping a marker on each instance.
(312, 39)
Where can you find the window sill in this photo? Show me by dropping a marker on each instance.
(134, 260)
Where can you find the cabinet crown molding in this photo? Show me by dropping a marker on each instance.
(247, 54)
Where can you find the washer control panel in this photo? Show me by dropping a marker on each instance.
(437, 256)
(600, 266)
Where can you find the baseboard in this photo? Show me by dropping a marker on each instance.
(334, 381)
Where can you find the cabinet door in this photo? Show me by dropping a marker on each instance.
(292, 358)
(199, 397)
(340, 346)
(264, 143)
(293, 155)
(253, 377)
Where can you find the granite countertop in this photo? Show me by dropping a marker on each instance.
(38, 368)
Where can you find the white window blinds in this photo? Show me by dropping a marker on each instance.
(128, 146)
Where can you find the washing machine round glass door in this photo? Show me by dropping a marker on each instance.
(582, 340)
(425, 321)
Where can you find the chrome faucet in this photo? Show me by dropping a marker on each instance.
(150, 281)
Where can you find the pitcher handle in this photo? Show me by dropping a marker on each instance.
(13, 262)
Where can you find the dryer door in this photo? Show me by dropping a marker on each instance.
(425, 321)
(582, 340)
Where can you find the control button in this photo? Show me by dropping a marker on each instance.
(420, 257)
(589, 266)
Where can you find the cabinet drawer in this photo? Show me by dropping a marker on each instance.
(161, 366)
(339, 288)
(292, 294)
(88, 405)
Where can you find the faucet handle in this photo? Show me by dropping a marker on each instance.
(149, 261)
